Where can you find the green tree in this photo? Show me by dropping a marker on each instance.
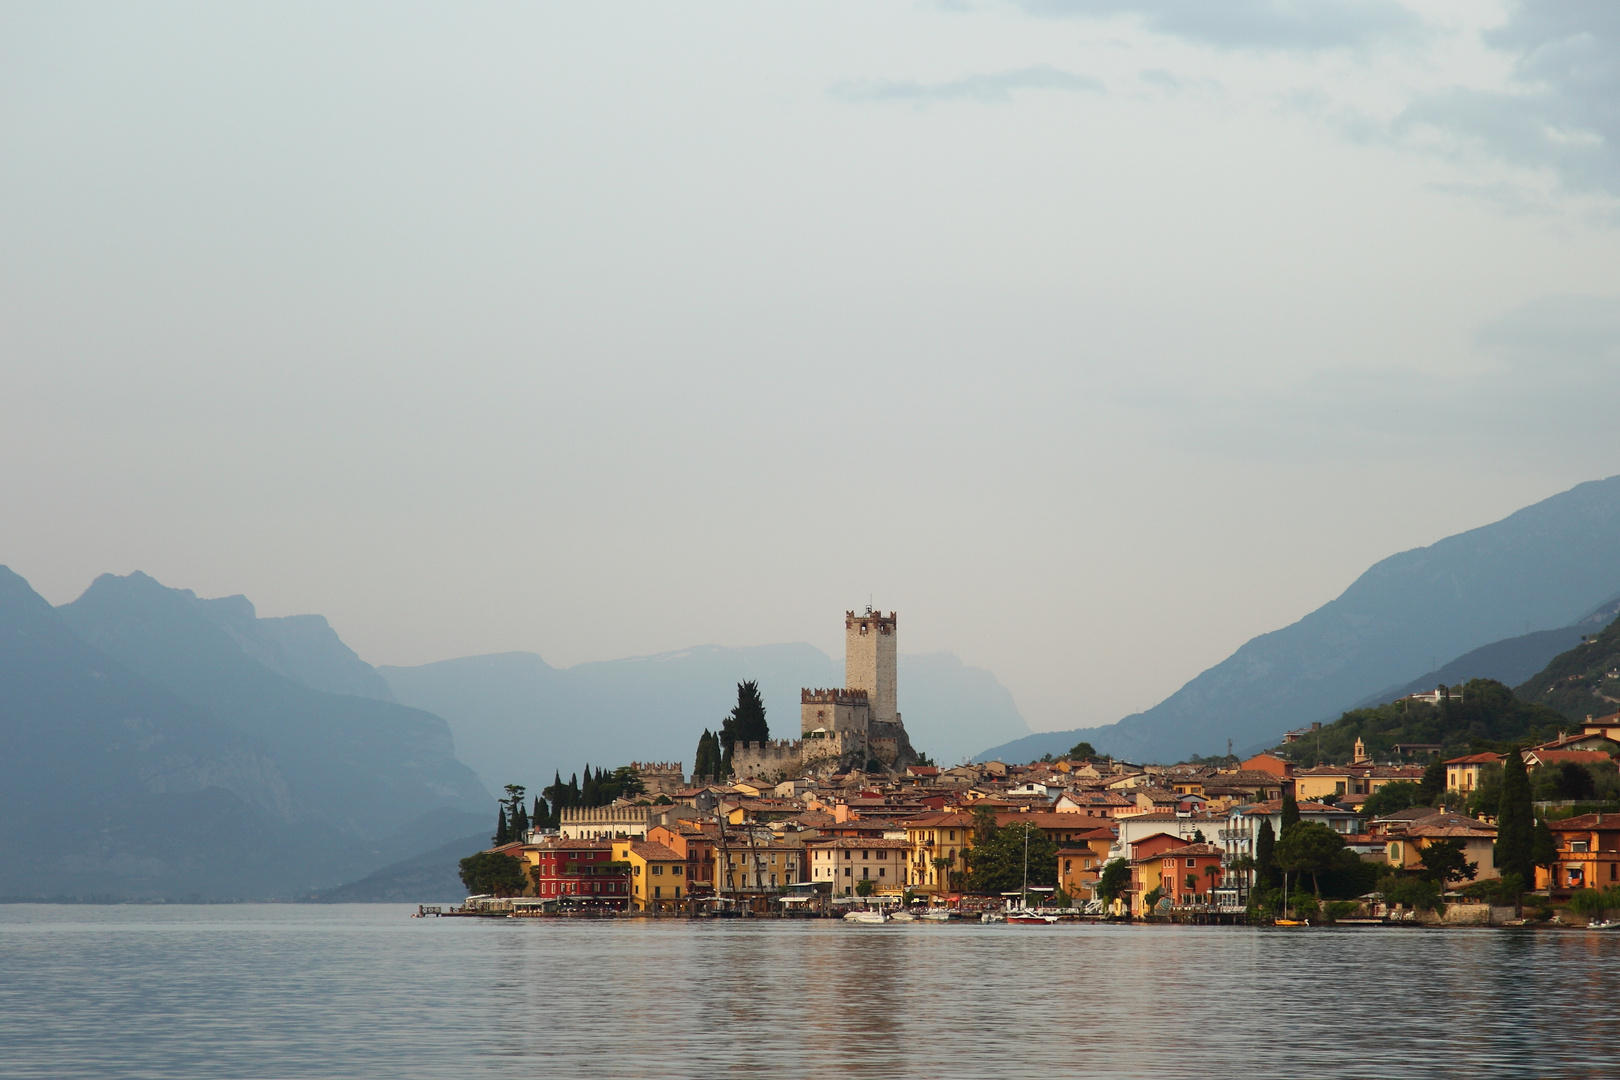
(1081, 751)
(492, 874)
(984, 824)
(1515, 820)
(542, 814)
(944, 871)
(1308, 848)
(745, 724)
(1412, 891)
(1543, 850)
(1393, 797)
(1443, 863)
(1113, 879)
(1290, 812)
(501, 834)
(1265, 856)
(997, 866)
(707, 762)
(865, 887)
(1434, 781)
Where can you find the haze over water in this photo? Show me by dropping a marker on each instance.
(364, 991)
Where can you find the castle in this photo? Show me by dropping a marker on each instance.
(845, 727)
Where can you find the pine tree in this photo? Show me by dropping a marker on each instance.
(1290, 812)
(1515, 821)
(745, 724)
(707, 762)
(1434, 781)
(1265, 847)
(501, 835)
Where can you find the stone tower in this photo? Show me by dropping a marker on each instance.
(869, 661)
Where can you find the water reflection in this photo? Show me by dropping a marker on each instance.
(329, 992)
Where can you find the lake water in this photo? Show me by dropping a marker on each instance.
(365, 991)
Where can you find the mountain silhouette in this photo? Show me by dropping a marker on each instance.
(1541, 568)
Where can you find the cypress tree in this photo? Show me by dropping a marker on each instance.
(501, 835)
(541, 818)
(1515, 821)
(745, 724)
(1265, 846)
(1290, 812)
(520, 821)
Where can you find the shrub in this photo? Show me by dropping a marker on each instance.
(1334, 910)
(1591, 902)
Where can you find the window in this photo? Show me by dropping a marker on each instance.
(658, 868)
(1068, 865)
(866, 872)
(953, 835)
(883, 854)
(1191, 863)
(882, 871)
(846, 871)
(848, 853)
(677, 892)
(676, 870)
(866, 855)
(658, 891)
(1578, 845)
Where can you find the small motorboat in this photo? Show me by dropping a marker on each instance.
(1290, 922)
(1030, 918)
(902, 916)
(865, 917)
(1603, 924)
(992, 916)
(936, 915)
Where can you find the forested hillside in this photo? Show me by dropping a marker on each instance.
(1478, 712)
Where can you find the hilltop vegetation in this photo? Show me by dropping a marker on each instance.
(1480, 712)
(1585, 681)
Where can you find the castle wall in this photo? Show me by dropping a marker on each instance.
(870, 660)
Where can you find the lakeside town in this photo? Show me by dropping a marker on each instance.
(850, 820)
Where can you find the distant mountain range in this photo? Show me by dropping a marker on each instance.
(517, 719)
(1546, 566)
(148, 754)
(154, 744)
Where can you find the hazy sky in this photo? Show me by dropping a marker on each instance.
(1093, 337)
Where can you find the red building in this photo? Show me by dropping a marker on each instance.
(1191, 873)
(579, 873)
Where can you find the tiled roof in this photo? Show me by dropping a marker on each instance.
(857, 842)
(1586, 823)
(655, 852)
(1475, 759)
(1190, 851)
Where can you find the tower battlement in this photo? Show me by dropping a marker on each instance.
(832, 697)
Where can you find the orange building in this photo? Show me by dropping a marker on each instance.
(1190, 874)
(1588, 849)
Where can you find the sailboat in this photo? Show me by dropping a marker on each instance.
(1022, 913)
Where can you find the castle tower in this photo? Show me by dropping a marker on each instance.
(869, 660)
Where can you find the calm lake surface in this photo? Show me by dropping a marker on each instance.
(365, 991)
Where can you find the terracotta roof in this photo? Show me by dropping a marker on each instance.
(655, 852)
(1190, 851)
(1476, 759)
(857, 842)
(1586, 823)
(1274, 806)
(946, 820)
(552, 843)
(1579, 757)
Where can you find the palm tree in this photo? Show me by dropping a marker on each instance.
(943, 866)
(1212, 872)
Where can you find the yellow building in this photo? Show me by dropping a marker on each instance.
(1080, 862)
(938, 857)
(1463, 774)
(846, 861)
(1404, 850)
(657, 873)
